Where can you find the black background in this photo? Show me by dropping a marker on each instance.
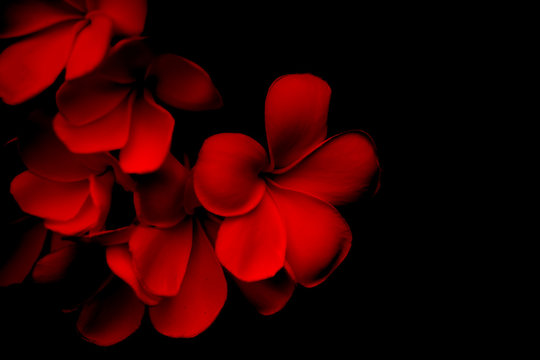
(388, 68)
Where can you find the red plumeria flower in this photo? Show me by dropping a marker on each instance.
(75, 34)
(279, 209)
(113, 108)
(70, 192)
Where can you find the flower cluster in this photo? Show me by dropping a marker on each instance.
(265, 217)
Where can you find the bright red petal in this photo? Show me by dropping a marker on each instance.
(110, 132)
(296, 110)
(338, 171)
(226, 177)
(150, 137)
(120, 263)
(159, 196)
(24, 17)
(91, 46)
(85, 220)
(184, 84)
(201, 297)
(252, 246)
(31, 65)
(49, 199)
(128, 16)
(318, 238)
(160, 256)
(54, 266)
(271, 295)
(89, 98)
(27, 250)
(111, 316)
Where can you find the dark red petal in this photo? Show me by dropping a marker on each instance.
(271, 295)
(226, 177)
(159, 196)
(184, 84)
(91, 46)
(296, 110)
(58, 241)
(89, 98)
(110, 132)
(79, 5)
(31, 65)
(338, 171)
(318, 238)
(160, 256)
(128, 16)
(46, 156)
(252, 246)
(149, 139)
(110, 237)
(49, 199)
(101, 191)
(201, 297)
(120, 263)
(53, 267)
(127, 60)
(24, 17)
(21, 260)
(111, 316)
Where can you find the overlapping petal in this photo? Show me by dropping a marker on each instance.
(128, 16)
(296, 110)
(338, 171)
(54, 266)
(226, 177)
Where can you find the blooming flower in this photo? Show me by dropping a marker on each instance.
(279, 209)
(113, 108)
(70, 34)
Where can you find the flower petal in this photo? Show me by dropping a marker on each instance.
(296, 110)
(54, 266)
(31, 65)
(85, 220)
(120, 263)
(271, 295)
(110, 237)
(24, 17)
(338, 171)
(318, 238)
(91, 46)
(252, 246)
(159, 196)
(226, 176)
(183, 84)
(160, 256)
(111, 316)
(201, 297)
(149, 139)
(89, 98)
(127, 61)
(29, 242)
(128, 16)
(110, 132)
(49, 199)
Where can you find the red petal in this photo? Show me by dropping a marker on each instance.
(127, 61)
(29, 16)
(91, 46)
(252, 246)
(86, 219)
(111, 316)
(295, 115)
(21, 260)
(45, 155)
(54, 267)
(318, 238)
(89, 98)
(201, 297)
(150, 137)
(31, 65)
(128, 15)
(101, 191)
(160, 256)
(49, 199)
(79, 5)
(120, 263)
(226, 177)
(271, 295)
(338, 171)
(159, 196)
(110, 237)
(184, 84)
(107, 133)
